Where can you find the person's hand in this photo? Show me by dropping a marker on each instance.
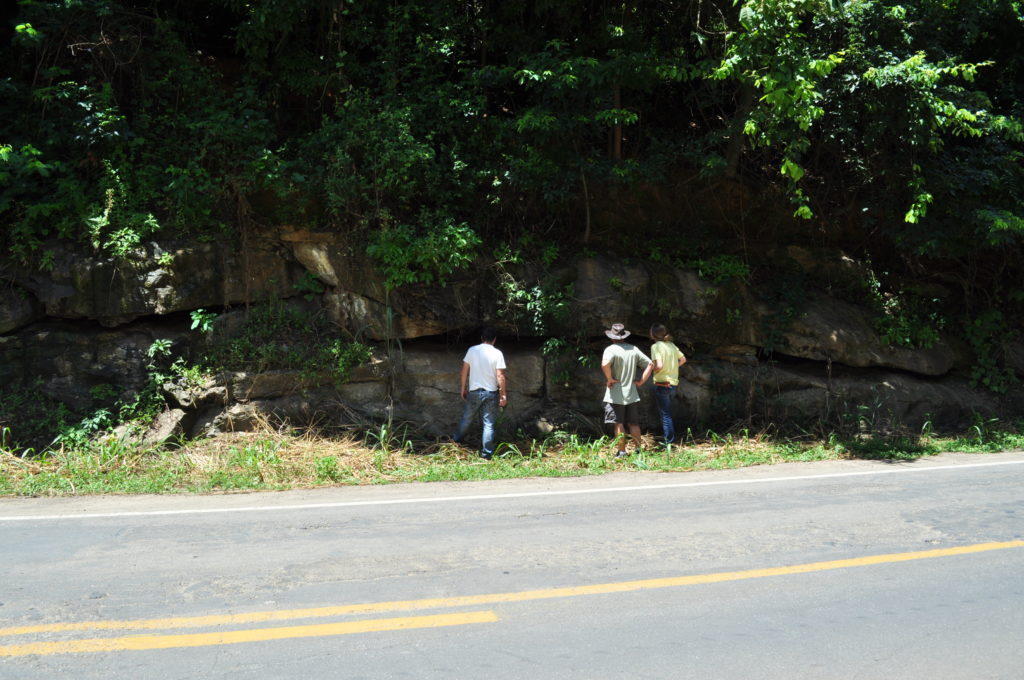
(464, 394)
(638, 383)
(503, 400)
(612, 382)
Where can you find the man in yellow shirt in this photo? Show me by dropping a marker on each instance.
(667, 359)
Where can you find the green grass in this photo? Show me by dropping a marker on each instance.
(275, 460)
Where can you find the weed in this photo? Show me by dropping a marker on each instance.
(310, 286)
(327, 469)
(202, 320)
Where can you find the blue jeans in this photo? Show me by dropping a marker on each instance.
(663, 397)
(486, 403)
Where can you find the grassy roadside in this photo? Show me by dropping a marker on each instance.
(272, 460)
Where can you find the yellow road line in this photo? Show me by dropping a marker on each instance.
(143, 642)
(495, 598)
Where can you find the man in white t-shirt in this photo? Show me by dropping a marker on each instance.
(482, 384)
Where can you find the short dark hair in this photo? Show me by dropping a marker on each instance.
(488, 334)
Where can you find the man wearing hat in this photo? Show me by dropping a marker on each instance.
(620, 364)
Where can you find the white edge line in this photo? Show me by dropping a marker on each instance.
(498, 496)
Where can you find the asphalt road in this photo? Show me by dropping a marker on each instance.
(851, 569)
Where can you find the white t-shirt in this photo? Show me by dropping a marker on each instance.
(484, 361)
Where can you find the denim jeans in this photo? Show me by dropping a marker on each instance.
(486, 403)
(663, 397)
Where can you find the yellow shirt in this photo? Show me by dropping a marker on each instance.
(669, 356)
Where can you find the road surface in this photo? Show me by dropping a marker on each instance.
(852, 569)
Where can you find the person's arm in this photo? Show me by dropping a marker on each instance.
(464, 380)
(607, 370)
(647, 374)
(502, 393)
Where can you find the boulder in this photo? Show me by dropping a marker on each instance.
(169, 423)
(17, 307)
(212, 392)
(827, 329)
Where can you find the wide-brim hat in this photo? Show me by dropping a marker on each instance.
(617, 332)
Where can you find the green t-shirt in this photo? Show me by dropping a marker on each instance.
(669, 355)
(627, 364)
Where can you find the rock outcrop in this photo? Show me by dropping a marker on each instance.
(90, 321)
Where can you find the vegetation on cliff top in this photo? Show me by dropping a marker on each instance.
(895, 129)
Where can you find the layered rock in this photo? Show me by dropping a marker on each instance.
(90, 321)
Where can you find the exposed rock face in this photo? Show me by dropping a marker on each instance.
(66, 363)
(824, 364)
(158, 280)
(832, 330)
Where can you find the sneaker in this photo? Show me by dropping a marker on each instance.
(485, 455)
(621, 454)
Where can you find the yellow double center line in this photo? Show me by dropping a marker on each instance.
(141, 642)
(255, 635)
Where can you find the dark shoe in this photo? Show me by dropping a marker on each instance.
(485, 456)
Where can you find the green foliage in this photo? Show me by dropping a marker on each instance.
(346, 356)
(534, 303)
(909, 106)
(254, 458)
(30, 419)
(326, 469)
(111, 160)
(906, 322)
(987, 333)
(279, 336)
(416, 119)
(119, 228)
(387, 440)
(721, 268)
(776, 51)
(903, 318)
(310, 286)
(564, 357)
(428, 254)
(202, 320)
